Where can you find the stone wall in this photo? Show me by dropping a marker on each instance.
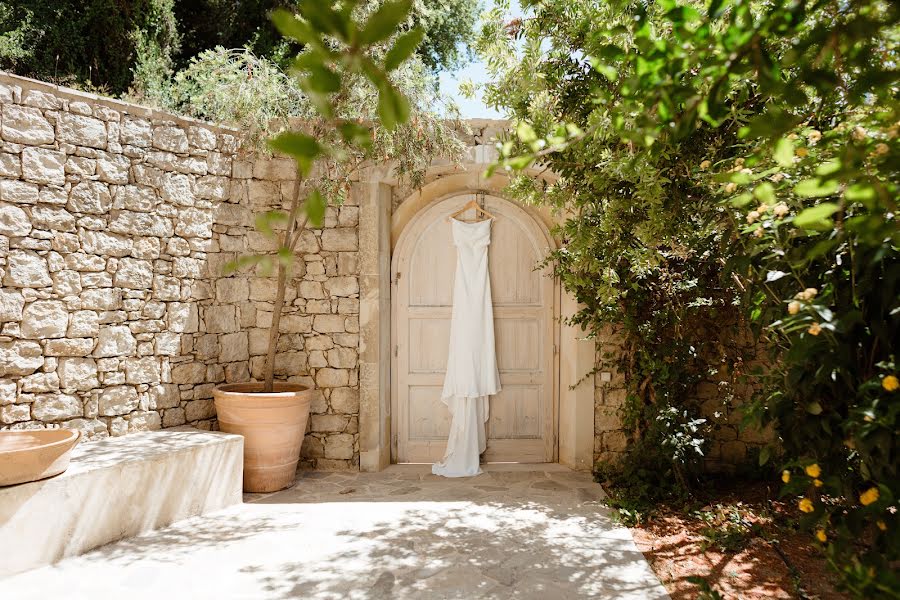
(719, 399)
(115, 316)
(116, 222)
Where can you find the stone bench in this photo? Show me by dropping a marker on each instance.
(117, 488)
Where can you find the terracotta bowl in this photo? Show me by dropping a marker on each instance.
(35, 454)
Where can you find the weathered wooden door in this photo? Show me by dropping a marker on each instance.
(522, 425)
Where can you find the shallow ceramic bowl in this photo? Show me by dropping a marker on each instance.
(35, 454)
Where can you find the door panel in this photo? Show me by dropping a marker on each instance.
(522, 422)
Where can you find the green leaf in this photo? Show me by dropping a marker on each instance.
(403, 48)
(320, 101)
(266, 220)
(828, 167)
(764, 455)
(741, 200)
(525, 132)
(322, 80)
(315, 208)
(715, 9)
(860, 192)
(393, 107)
(290, 26)
(384, 21)
(325, 19)
(305, 149)
(815, 188)
(355, 134)
(765, 192)
(373, 72)
(818, 216)
(784, 152)
(519, 162)
(285, 256)
(604, 69)
(266, 266)
(240, 263)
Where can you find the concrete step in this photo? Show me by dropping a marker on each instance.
(117, 488)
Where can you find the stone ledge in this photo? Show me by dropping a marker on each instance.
(135, 110)
(117, 488)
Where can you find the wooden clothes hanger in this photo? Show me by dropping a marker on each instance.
(469, 205)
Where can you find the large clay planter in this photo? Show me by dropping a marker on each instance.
(273, 425)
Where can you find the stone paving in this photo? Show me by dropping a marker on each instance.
(513, 532)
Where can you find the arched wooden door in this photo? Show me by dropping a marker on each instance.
(522, 425)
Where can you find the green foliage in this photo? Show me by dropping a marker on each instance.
(135, 46)
(16, 27)
(727, 528)
(635, 257)
(95, 44)
(449, 27)
(749, 149)
(207, 24)
(153, 63)
(354, 87)
(235, 87)
(646, 479)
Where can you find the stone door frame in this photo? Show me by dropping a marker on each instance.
(379, 230)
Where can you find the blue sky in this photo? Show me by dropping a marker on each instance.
(470, 108)
(475, 71)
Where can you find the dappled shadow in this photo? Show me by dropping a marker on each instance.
(472, 549)
(386, 535)
(676, 548)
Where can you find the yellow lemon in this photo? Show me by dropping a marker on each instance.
(785, 476)
(806, 505)
(813, 470)
(820, 535)
(869, 496)
(890, 383)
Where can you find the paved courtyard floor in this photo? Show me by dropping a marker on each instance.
(515, 531)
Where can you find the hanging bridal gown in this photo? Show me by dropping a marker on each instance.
(472, 373)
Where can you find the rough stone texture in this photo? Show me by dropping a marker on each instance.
(718, 400)
(115, 224)
(116, 315)
(44, 319)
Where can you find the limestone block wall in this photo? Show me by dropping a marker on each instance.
(115, 315)
(116, 222)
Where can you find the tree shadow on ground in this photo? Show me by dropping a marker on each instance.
(503, 535)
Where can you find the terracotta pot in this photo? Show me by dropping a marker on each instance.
(273, 425)
(37, 454)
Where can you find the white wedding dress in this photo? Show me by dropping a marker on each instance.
(472, 373)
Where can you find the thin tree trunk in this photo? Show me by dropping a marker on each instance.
(291, 236)
(269, 375)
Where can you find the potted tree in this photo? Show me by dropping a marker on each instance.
(345, 52)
